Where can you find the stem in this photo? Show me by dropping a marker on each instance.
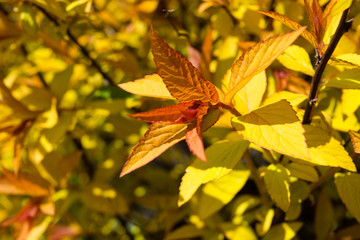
(257, 179)
(329, 174)
(83, 50)
(343, 27)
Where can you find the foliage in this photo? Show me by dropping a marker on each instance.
(231, 78)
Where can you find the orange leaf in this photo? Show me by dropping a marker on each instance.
(355, 139)
(206, 49)
(177, 113)
(291, 24)
(315, 16)
(158, 138)
(195, 143)
(203, 110)
(23, 184)
(181, 78)
(257, 59)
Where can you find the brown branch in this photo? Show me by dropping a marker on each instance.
(343, 27)
(326, 176)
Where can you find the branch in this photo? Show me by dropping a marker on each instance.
(343, 27)
(329, 174)
(83, 50)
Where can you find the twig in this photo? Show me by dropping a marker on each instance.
(343, 27)
(329, 174)
(90, 169)
(257, 180)
(83, 50)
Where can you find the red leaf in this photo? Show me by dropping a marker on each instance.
(315, 16)
(195, 143)
(178, 113)
(181, 78)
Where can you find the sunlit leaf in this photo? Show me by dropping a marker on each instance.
(355, 139)
(291, 24)
(195, 143)
(348, 187)
(348, 79)
(185, 232)
(296, 58)
(256, 59)
(278, 184)
(283, 231)
(350, 60)
(150, 86)
(325, 149)
(217, 193)
(181, 78)
(275, 127)
(156, 140)
(222, 158)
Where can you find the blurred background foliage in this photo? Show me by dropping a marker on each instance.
(65, 134)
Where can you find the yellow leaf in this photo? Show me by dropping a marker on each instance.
(217, 193)
(351, 60)
(257, 59)
(291, 24)
(293, 98)
(150, 86)
(274, 127)
(185, 232)
(348, 187)
(355, 139)
(302, 171)
(348, 79)
(156, 140)
(296, 58)
(49, 118)
(326, 150)
(250, 96)
(278, 184)
(350, 101)
(222, 158)
(283, 231)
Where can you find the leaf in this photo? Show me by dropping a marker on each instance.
(326, 150)
(206, 49)
(348, 79)
(315, 17)
(302, 171)
(195, 143)
(250, 96)
(222, 158)
(324, 216)
(355, 139)
(283, 231)
(185, 232)
(23, 184)
(181, 78)
(217, 193)
(291, 24)
(177, 113)
(274, 127)
(278, 184)
(257, 59)
(150, 86)
(156, 140)
(348, 187)
(296, 58)
(350, 60)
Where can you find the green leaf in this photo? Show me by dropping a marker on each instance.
(278, 184)
(296, 58)
(348, 187)
(302, 171)
(222, 158)
(347, 79)
(274, 127)
(283, 231)
(217, 193)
